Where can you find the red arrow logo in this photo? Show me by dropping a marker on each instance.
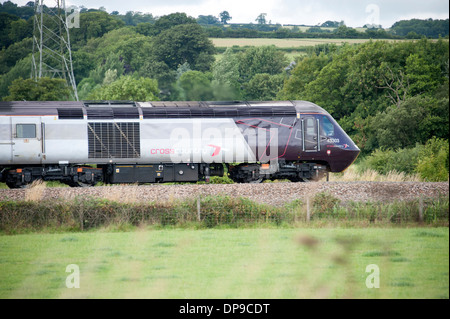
(216, 150)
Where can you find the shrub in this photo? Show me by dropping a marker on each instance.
(434, 160)
(385, 161)
(324, 203)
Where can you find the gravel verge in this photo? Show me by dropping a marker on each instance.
(276, 194)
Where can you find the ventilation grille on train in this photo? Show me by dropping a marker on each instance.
(70, 114)
(114, 140)
(217, 112)
(108, 113)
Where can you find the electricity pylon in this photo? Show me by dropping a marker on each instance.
(52, 56)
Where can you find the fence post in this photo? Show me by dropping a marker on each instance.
(81, 215)
(198, 209)
(308, 210)
(295, 214)
(421, 209)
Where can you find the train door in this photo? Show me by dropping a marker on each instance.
(5, 140)
(310, 126)
(27, 141)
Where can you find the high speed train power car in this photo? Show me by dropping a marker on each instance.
(82, 143)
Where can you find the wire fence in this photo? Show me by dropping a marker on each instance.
(204, 212)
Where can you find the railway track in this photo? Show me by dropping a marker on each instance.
(270, 193)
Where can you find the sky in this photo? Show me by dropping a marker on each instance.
(355, 13)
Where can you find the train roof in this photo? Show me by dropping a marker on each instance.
(156, 109)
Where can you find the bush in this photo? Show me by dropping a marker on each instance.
(429, 161)
(385, 161)
(324, 203)
(434, 160)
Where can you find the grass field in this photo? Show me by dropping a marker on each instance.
(281, 43)
(228, 263)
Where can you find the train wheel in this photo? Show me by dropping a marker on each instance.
(15, 186)
(80, 184)
(256, 181)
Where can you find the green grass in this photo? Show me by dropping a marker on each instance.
(228, 263)
(281, 43)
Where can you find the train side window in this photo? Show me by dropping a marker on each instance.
(328, 127)
(26, 130)
(310, 129)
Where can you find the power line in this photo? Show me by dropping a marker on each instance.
(52, 55)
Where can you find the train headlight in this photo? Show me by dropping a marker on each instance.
(328, 152)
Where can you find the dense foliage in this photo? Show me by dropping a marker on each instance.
(415, 27)
(44, 89)
(392, 98)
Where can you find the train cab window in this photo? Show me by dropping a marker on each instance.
(328, 127)
(26, 130)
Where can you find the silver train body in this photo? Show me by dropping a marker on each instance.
(82, 143)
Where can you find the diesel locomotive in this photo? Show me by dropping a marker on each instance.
(81, 143)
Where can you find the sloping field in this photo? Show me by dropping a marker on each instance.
(281, 43)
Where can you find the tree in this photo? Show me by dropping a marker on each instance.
(44, 89)
(347, 32)
(184, 43)
(111, 42)
(225, 17)
(134, 52)
(128, 88)
(416, 27)
(261, 19)
(20, 29)
(415, 120)
(195, 86)
(169, 21)
(93, 25)
(330, 24)
(422, 75)
(20, 69)
(15, 52)
(161, 72)
(305, 71)
(265, 59)
(112, 62)
(263, 87)
(433, 165)
(5, 28)
(226, 77)
(134, 18)
(208, 20)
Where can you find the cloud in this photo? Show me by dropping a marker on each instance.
(309, 12)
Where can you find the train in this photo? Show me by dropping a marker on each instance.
(82, 143)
